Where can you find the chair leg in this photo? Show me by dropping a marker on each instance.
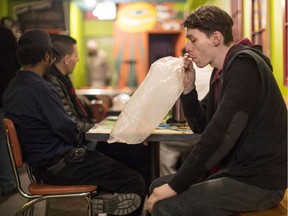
(47, 207)
(26, 210)
(89, 203)
(31, 210)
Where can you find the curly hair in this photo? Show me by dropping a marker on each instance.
(209, 19)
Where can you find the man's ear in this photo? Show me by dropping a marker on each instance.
(216, 38)
(47, 57)
(66, 59)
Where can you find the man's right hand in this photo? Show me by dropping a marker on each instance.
(190, 76)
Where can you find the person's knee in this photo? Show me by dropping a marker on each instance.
(160, 181)
(161, 209)
(165, 208)
(153, 185)
(141, 185)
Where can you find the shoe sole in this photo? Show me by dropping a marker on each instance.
(118, 204)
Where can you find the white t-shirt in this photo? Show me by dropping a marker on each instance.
(202, 80)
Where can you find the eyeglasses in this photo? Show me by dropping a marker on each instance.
(53, 57)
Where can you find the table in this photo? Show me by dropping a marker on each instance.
(102, 92)
(101, 132)
(104, 95)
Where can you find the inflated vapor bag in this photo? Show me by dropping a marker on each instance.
(151, 101)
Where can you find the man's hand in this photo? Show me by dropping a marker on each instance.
(160, 193)
(190, 77)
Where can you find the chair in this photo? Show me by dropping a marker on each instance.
(279, 210)
(38, 191)
(98, 109)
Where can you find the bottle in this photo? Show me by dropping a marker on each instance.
(177, 112)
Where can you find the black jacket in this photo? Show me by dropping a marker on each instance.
(73, 106)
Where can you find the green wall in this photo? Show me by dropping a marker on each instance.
(193, 4)
(275, 32)
(98, 28)
(102, 33)
(277, 40)
(79, 77)
(3, 8)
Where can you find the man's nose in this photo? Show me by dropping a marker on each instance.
(189, 47)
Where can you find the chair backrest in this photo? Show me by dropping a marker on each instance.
(15, 153)
(98, 109)
(13, 142)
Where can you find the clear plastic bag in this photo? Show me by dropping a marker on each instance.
(151, 101)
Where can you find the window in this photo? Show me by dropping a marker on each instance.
(285, 30)
(236, 11)
(259, 14)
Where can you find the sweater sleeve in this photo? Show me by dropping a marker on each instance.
(239, 93)
(194, 111)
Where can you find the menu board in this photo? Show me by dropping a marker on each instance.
(47, 15)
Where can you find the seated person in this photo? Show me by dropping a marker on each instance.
(134, 156)
(51, 141)
(239, 163)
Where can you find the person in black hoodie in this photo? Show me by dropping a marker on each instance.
(240, 161)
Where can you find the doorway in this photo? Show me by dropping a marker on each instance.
(161, 45)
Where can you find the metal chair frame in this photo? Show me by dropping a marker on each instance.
(38, 191)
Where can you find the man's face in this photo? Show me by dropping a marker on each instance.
(72, 60)
(200, 47)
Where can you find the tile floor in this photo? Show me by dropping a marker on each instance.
(58, 207)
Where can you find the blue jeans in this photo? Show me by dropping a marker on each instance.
(7, 181)
(217, 197)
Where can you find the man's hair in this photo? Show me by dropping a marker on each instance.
(32, 56)
(63, 44)
(209, 19)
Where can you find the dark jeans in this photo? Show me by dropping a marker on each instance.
(134, 156)
(217, 197)
(97, 169)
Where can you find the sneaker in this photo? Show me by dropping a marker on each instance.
(115, 204)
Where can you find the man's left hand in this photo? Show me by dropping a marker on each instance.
(160, 193)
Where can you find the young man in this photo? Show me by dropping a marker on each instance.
(50, 139)
(240, 161)
(134, 156)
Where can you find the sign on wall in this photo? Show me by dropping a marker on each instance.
(48, 15)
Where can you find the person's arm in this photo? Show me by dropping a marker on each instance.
(159, 193)
(14, 50)
(194, 110)
(83, 125)
(57, 118)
